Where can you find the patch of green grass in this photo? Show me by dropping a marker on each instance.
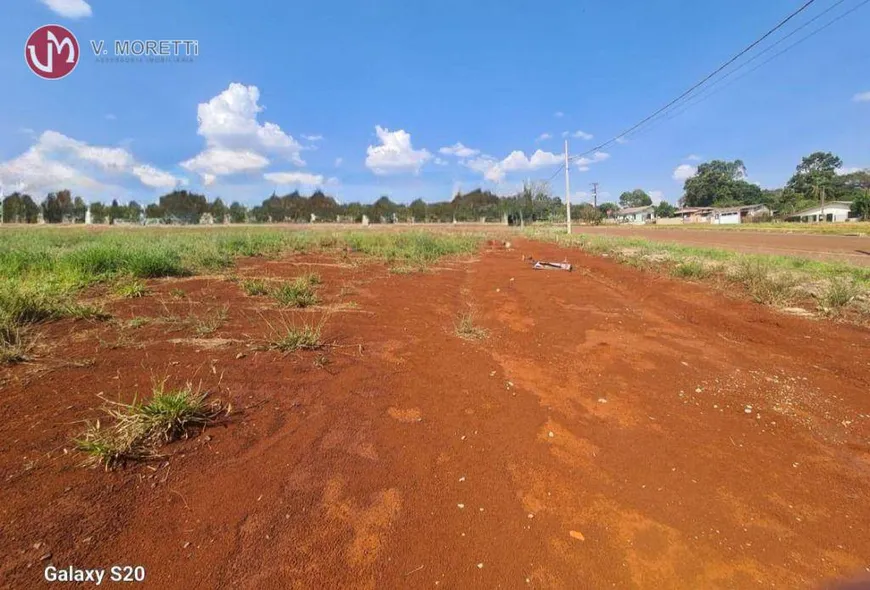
(466, 327)
(131, 289)
(289, 337)
(138, 429)
(297, 293)
(839, 293)
(764, 282)
(254, 286)
(691, 269)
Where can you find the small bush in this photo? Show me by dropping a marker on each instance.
(254, 286)
(298, 293)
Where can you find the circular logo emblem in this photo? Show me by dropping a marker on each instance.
(52, 52)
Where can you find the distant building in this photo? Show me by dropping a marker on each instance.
(723, 215)
(833, 211)
(636, 214)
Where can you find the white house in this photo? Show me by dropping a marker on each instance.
(636, 214)
(833, 211)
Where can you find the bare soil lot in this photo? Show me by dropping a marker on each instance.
(614, 429)
(850, 249)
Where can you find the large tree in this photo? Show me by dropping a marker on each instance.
(184, 206)
(635, 198)
(720, 183)
(238, 213)
(816, 176)
(19, 208)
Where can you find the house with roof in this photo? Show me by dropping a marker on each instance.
(832, 211)
(636, 215)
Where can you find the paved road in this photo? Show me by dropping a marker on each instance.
(851, 249)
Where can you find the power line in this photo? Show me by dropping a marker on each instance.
(707, 93)
(743, 52)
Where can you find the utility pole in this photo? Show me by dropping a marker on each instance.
(822, 192)
(595, 194)
(567, 188)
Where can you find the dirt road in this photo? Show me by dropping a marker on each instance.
(616, 429)
(851, 249)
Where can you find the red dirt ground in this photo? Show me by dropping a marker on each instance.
(850, 249)
(601, 437)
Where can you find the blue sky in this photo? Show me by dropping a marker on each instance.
(372, 97)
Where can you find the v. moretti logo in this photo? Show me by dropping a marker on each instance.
(52, 52)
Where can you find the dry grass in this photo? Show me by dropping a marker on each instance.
(16, 343)
(466, 328)
(138, 429)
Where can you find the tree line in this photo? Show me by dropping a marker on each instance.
(716, 184)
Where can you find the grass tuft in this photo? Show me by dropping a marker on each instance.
(839, 293)
(15, 344)
(289, 337)
(254, 286)
(139, 428)
(691, 269)
(214, 319)
(466, 328)
(298, 293)
(131, 289)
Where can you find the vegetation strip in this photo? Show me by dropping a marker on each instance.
(837, 288)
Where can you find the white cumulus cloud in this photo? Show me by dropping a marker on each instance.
(57, 162)
(684, 172)
(69, 8)
(495, 171)
(579, 134)
(294, 178)
(596, 158)
(223, 162)
(862, 97)
(544, 137)
(395, 154)
(235, 140)
(459, 150)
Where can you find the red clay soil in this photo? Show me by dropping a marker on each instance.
(615, 430)
(834, 248)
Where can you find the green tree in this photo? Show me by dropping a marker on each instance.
(635, 198)
(99, 213)
(608, 209)
(665, 209)
(238, 213)
(153, 211)
(80, 210)
(183, 206)
(861, 206)
(417, 208)
(133, 212)
(218, 210)
(115, 211)
(720, 183)
(19, 208)
(816, 176)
